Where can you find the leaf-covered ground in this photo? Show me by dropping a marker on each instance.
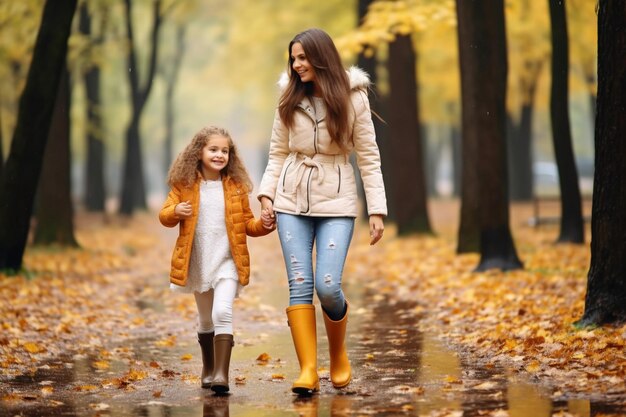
(88, 304)
(522, 320)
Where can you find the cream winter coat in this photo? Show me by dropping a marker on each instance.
(308, 174)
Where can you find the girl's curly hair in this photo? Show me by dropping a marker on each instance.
(185, 168)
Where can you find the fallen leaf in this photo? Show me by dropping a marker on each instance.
(101, 364)
(83, 388)
(485, 385)
(32, 347)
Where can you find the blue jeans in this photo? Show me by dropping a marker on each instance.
(332, 236)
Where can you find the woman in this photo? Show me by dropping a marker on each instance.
(322, 116)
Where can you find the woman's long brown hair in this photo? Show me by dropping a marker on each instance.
(185, 168)
(331, 80)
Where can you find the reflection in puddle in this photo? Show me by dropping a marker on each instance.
(397, 371)
(441, 384)
(524, 400)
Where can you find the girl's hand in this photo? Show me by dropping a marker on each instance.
(268, 222)
(183, 210)
(376, 228)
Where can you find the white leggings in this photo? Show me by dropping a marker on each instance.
(215, 307)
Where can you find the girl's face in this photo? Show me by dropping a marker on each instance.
(214, 156)
(301, 64)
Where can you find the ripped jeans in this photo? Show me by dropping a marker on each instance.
(332, 236)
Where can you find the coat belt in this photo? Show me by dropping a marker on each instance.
(302, 162)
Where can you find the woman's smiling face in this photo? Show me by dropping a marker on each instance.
(301, 64)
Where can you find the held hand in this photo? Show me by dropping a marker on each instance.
(183, 210)
(268, 222)
(376, 228)
(267, 204)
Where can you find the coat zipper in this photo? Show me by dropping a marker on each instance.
(308, 191)
(285, 176)
(314, 126)
(339, 186)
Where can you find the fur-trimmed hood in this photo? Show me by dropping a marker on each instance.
(359, 79)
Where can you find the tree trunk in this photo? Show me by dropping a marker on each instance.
(133, 191)
(171, 80)
(524, 166)
(432, 150)
(469, 225)
(521, 148)
(572, 224)
(133, 184)
(406, 144)
(482, 49)
(591, 81)
(95, 194)
(1, 148)
(605, 301)
(55, 223)
(21, 173)
(520, 156)
(455, 143)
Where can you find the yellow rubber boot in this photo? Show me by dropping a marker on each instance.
(340, 372)
(302, 324)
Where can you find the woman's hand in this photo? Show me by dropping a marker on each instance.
(267, 205)
(376, 228)
(183, 210)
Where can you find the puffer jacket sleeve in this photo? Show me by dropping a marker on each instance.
(279, 150)
(166, 215)
(254, 227)
(368, 155)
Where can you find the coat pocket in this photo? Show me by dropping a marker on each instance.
(287, 185)
(331, 185)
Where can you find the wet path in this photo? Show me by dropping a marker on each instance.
(397, 370)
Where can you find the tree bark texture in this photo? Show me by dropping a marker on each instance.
(54, 212)
(23, 166)
(605, 301)
(95, 192)
(133, 183)
(409, 194)
(482, 49)
(469, 225)
(572, 224)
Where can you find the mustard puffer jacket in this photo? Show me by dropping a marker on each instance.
(240, 223)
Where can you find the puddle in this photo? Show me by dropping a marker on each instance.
(397, 371)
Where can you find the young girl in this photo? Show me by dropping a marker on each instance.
(209, 199)
(323, 116)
